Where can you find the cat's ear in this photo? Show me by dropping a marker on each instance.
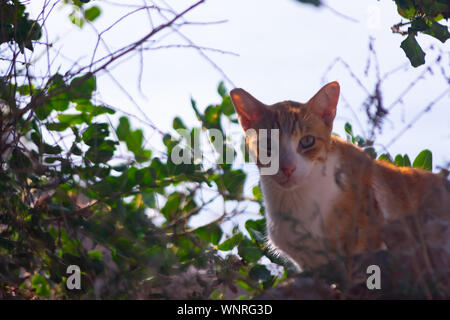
(247, 107)
(325, 101)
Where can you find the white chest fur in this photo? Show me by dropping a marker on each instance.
(295, 217)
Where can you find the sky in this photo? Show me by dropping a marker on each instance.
(279, 50)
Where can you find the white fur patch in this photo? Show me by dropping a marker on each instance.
(295, 216)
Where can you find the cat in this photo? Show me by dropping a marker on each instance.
(328, 198)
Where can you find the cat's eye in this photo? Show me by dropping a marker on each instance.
(307, 141)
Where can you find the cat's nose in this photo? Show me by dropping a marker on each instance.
(288, 171)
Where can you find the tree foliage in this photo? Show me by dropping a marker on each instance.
(77, 202)
(68, 196)
(15, 25)
(423, 16)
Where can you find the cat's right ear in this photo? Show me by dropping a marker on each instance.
(325, 101)
(247, 107)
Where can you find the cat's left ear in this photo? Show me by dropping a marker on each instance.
(248, 108)
(325, 101)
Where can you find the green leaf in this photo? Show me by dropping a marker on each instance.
(424, 160)
(385, 157)
(227, 106)
(95, 254)
(199, 115)
(178, 123)
(149, 199)
(406, 161)
(230, 243)
(123, 130)
(438, 31)
(257, 193)
(40, 285)
(433, 8)
(244, 285)
(87, 107)
(19, 160)
(221, 89)
(211, 233)
(49, 149)
(95, 133)
(52, 159)
(371, 152)
(134, 140)
(256, 229)
(159, 169)
(212, 117)
(74, 119)
(101, 153)
(92, 13)
(259, 273)
(83, 87)
(419, 24)
(406, 8)
(348, 128)
(76, 19)
(249, 251)
(413, 51)
(398, 160)
(44, 110)
(25, 90)
(187, 250)
(143, 155)
(171, 208)
(232, 181)
(59, 102)
(360, 141)
(56, 126)
(402, 161)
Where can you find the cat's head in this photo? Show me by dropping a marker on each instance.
(304, 131)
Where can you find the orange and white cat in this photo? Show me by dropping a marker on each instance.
(328, 198)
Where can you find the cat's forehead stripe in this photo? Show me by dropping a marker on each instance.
(289, 116)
